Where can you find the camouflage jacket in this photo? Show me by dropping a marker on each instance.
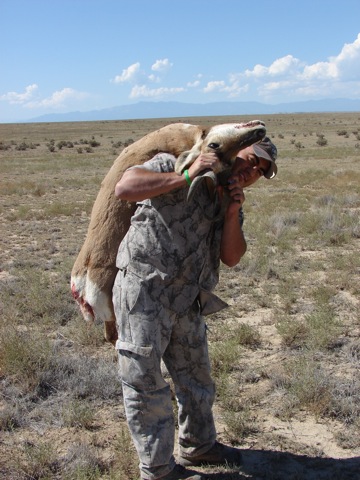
(174, 244)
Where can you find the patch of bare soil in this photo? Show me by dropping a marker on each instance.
(300, 448)
(46, 200)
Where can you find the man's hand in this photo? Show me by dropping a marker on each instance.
(204, 161)
(236, 193)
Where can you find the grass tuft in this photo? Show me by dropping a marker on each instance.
(286, 348)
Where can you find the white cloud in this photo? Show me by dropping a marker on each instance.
(128, 74)
(57, 99)
(348, 61)
(281, 66)
(284, 65)
(283, 79)
(214, 86)
(161, 65)
(20, 98)
(339, 76)
(144, 91)
(134, 75)
(274, 87)
(288, 77)
(350, 50)
(321, 70)
(194, 84)
(258, 71)
(154, 78)
(141, 80)
(233, 89)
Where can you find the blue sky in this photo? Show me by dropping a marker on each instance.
(79, 55)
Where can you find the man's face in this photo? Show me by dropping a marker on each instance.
(248, 167)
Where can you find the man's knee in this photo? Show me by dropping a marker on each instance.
(139, 372)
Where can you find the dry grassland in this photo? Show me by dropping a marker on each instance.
(285, 354)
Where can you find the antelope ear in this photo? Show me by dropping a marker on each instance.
(187, 158)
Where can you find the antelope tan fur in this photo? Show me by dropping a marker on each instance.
(94, 270)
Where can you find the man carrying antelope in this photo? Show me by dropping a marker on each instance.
(168, 265)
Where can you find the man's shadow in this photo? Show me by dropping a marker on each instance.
(271, 465)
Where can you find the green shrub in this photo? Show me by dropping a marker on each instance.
(246, 335)
(78, 413)
(224, 356)
(38, 461)
(239, 425)
(321, 141)
(24, 355)
(81, 462)
(318, 330)
(308, 383)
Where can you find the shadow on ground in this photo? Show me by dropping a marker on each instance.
(270, 465)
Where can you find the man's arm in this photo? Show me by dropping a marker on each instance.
(138, 184)
(233, 244)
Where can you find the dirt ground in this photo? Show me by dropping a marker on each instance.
(39, 235)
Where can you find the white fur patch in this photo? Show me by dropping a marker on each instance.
(88, 293)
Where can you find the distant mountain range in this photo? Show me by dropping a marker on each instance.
(143, 110)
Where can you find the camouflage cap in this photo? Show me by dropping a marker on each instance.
(266, 149)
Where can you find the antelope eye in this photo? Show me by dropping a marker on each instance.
(214, 145)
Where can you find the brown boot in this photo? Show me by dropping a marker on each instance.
(217, 455)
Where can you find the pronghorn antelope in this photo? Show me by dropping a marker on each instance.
(94, 271)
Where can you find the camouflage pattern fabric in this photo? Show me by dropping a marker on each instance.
(168, 264)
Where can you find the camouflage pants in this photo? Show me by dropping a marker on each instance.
(148, 332)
